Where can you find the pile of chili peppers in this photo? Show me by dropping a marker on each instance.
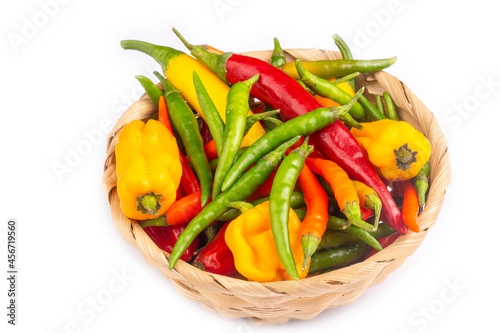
(311, 177)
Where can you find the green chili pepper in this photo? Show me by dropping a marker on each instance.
(279, 204)
(422, 183)
(337, 257)
(236, 115)
(390, 107)
(151, 89)
(346, 55)
(301, 125)
(345, 78)
(252, 119)
(271, 123)
(296, 201)
(306, 87)
(329, 69)
(213, 163)
(325, 88)
(350, 232)
(240, 190)
(371, 109)
(186, 125)
(214, 120)
(380, 104)
(278, 57)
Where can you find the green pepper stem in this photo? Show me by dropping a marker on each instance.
(149, 203)
(278, 57)
(242, 206)
(162, 54)
(160, 221)
(351, 211)
(405, 157)
(309, 245)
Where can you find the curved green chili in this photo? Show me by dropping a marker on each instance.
(240, 190)
(153, 91)
(279, 204)
(186, 125)
(380, 104)
(296, 201)
(346, 55)
(214, 120)
(327, 89)
(301, 125)
(329, 69)
(236, 115)
(371, 109)
(278, 57)
(390, 107)
(337, 257)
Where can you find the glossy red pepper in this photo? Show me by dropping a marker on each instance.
(165, 238)
(216, 257)
(280, 91)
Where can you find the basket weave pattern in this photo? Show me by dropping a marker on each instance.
(278, 302)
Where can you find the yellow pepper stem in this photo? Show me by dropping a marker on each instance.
(405, 157)
(242, 206)
(149, 203)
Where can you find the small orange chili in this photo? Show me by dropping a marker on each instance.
(314, 224)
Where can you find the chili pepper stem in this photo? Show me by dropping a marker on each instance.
(242, 206)
(309, 244)
(355, 218)
(160, 221)
(149, 203)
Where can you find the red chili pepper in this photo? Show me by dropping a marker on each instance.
(184, 210)
(204, 131)
(384, 242)
(165, 238)
(180, 193)
(189, 182)
(280, 91)
(366, 213)
(216, 257)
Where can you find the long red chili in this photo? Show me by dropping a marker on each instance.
(280, 91)
(216, 257)
(165, 238)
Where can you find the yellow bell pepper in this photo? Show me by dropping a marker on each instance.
(250, 239)
(148, 169)
(396, 148)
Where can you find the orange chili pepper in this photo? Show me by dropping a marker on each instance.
(211, 150)
(314, 224)
(410, 206)
(343, 189)
(326, 102)
(163, 114)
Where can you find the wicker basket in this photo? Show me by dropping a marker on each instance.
(278, 302)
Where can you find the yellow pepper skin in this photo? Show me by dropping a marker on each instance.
(148, 169)
(250, 239)
(396, 148)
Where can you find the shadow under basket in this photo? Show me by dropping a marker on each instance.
(278, 302)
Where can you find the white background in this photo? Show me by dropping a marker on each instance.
(67, 76)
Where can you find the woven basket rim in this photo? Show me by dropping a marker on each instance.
(440, 179)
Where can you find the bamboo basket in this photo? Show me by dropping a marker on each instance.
(279, 302)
